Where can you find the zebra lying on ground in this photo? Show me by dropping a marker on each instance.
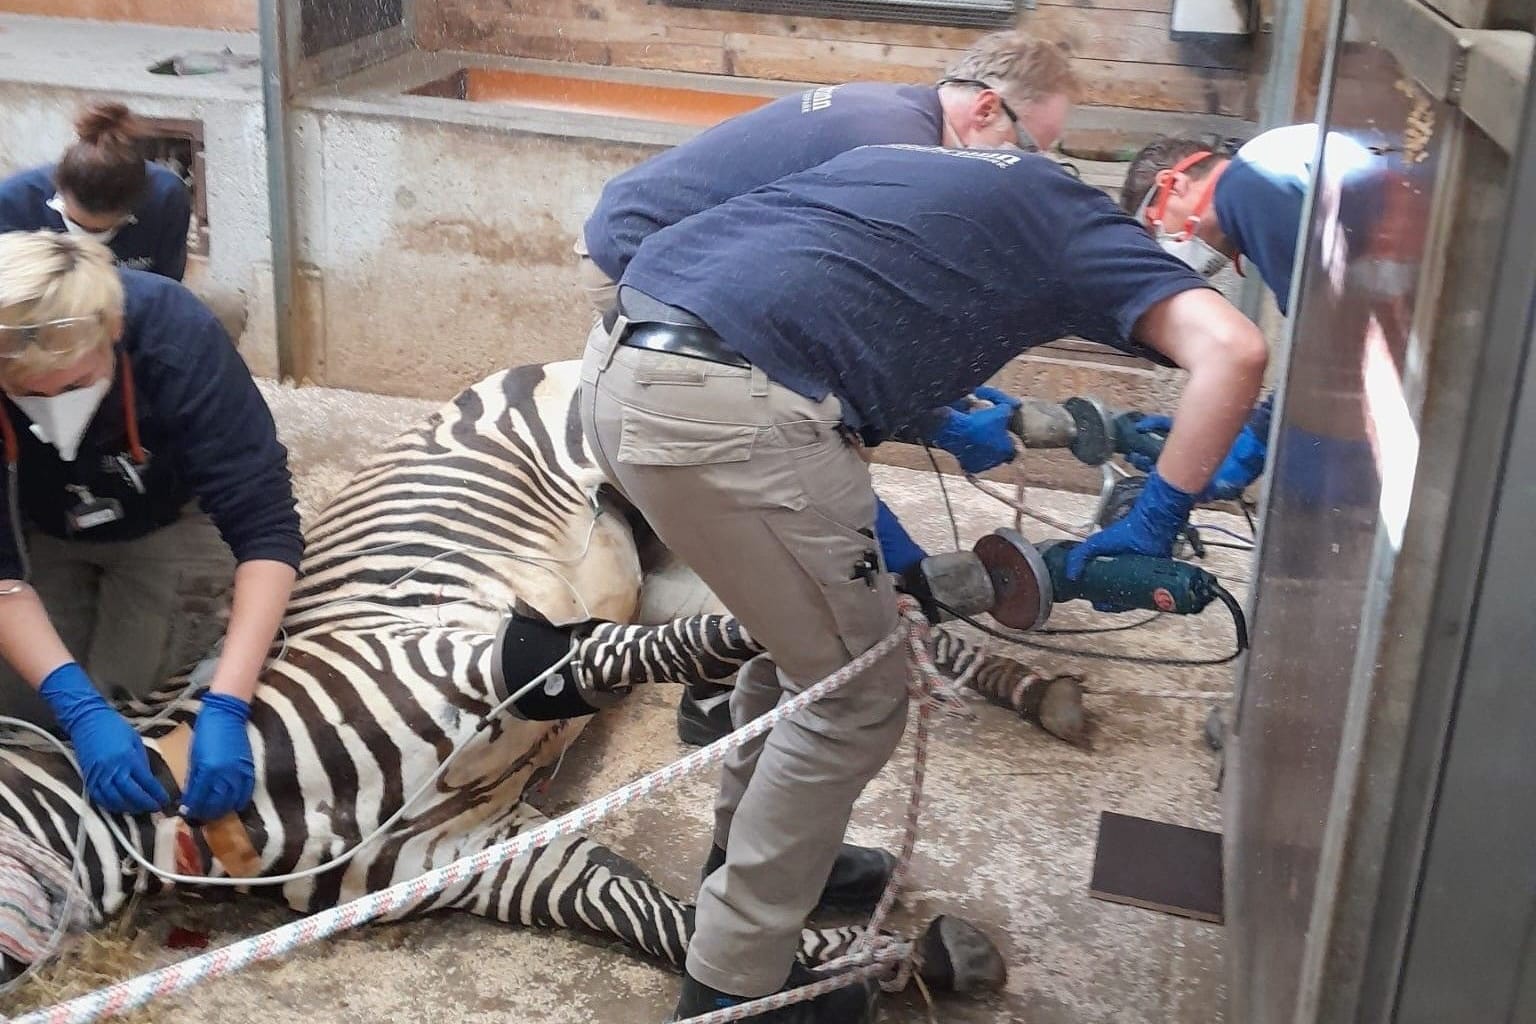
(395, 646)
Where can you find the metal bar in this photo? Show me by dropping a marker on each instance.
(1474, 905)
(1429, 47)
(1354, 892)
(1498, 67)
(1282, 80)
(282, 225)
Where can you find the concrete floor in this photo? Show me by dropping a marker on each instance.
(1007, 841)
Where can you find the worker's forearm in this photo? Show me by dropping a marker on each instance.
(1216, 403)
(28, 641)
(261, 596)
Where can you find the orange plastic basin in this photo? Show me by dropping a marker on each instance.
(592, 96)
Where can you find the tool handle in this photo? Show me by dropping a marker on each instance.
(1123, 583)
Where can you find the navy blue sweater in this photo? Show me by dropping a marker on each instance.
(209, 434)
(156, 241)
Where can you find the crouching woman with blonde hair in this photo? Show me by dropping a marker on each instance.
(144, 482)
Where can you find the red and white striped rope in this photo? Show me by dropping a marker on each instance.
(134, 992)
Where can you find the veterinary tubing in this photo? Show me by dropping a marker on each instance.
(864, 962)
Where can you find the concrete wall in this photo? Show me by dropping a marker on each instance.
(435, 253)
(438, 253)
(1122, 47)
(434, 244)
(36, 127)
(235, 15)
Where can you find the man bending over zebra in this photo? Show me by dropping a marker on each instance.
(396, 646)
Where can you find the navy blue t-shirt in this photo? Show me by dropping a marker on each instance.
(207, 430)
(901, 277)
(1261, 197)
(156, 241)
(790, 134)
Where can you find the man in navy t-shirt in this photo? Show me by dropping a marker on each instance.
(860, 295)
(1009, 88)
(152, 236)
(1208, 208)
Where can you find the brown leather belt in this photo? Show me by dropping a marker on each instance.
(227, 837)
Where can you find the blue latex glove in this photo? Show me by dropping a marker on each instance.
(1154, 424)
(1243, 464)
(222, 775)
(112, 757)
(978, 438)
(1149, 528)
(899, 551)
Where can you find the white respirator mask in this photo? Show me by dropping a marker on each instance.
(61, 420)
(1185, 245)
(56, 204)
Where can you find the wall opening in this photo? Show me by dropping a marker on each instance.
(177, 144)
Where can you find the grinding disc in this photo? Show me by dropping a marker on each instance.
(1093, 445)
(1020, 580)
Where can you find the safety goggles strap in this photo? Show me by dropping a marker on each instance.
(1163, 188)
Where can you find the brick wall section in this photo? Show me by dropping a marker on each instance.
(1121, 46)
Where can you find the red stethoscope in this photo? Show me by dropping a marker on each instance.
(136, 450)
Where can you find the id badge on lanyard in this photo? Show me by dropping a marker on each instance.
(89, 511)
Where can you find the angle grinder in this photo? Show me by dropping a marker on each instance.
(1086, 427)
(1018, 583)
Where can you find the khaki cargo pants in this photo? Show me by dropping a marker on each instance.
(757, 490)
(133, 613)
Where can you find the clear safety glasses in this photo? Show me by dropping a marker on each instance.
(55, 337)
(1026, 141)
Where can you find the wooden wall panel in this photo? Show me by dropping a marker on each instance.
(235, 15)
(1122, 47)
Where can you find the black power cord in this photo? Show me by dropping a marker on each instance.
(1239, 625)
(1096, 630)
(949, 509)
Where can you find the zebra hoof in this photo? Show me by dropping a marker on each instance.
(954, 956)
(1061, 711)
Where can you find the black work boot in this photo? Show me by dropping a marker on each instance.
(852, 1004)
(859, 876)
(705, 716)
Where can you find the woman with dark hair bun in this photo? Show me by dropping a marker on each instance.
(103, 188)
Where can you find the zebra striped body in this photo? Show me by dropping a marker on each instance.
(386, 666)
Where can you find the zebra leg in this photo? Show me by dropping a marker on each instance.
(1055, 703)
(689, 652)
(577, 883)
(610, 659)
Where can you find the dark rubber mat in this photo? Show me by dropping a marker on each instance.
(1158, 866)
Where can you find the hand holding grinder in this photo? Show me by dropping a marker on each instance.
(1018, 583)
